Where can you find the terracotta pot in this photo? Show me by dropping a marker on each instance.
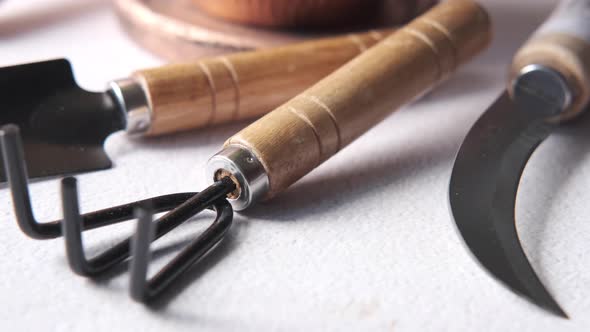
(291, 13)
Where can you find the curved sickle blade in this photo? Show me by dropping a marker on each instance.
(483, 188)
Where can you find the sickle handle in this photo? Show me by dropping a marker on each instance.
(299, 135)
(242, 85)
(563, 44)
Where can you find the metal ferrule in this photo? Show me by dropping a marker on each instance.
(245, 169)
(543, 83)
(133, 101)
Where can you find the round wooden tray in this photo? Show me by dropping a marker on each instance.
(177, 30)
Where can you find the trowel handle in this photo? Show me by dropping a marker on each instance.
(301, 134)
(242, 85)
(563, 44)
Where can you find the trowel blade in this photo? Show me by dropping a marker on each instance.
(63, 126)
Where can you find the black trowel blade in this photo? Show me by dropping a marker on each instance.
(49, 160)
(63, 126)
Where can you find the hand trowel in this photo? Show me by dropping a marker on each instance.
(64, 126)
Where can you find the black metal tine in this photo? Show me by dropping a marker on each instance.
(123, 212)
(121, 251)
(143, 290)
(16, 171)
(71, 227)
(182, 205)
(141, 253)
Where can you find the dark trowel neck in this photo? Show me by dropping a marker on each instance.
(74, 116)
(63, 126)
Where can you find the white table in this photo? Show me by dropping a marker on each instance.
(365, 242)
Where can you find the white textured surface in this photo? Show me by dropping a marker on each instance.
(364, 243)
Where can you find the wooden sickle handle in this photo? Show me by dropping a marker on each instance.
(563, 44)
(301, 134)
(242, 85)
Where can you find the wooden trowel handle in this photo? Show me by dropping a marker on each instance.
(562, 43)
(242, 85)
(301, 134)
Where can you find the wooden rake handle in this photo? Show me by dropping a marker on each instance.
(242, 85)
(310, 128)
(562, 43)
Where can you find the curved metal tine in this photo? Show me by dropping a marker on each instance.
(118, 253)
(16, 171)
(71, 228)
(143, 290)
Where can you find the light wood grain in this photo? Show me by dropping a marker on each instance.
(307, 130)
(562, 43)
(242, 85)
(565, 53)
